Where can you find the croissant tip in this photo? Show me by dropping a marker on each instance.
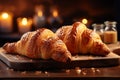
(68, 60)
(5, 45)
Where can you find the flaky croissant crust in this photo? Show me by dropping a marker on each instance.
(81, 40)
(42, 43)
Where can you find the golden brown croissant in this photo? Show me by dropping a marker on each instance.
(42, 43)
(79, 39)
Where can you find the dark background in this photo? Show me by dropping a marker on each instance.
(96, 11)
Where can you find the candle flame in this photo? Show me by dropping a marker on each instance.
(40, 13)
(24, 21)
(55, 13)
(84, 21)
(5, 15)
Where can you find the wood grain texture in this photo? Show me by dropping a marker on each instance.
(18, 62)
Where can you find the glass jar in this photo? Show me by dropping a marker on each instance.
(99, 29)
(110, 33)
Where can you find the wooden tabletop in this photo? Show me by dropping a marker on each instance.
(77, 73)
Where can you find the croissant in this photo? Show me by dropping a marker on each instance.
(42, 43)
(81, 40)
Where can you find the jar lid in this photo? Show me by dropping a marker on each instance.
(110, 22)
(97, 25)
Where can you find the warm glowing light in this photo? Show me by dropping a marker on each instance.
(40, 13)
(5, 15)
(84, 21)
(24, 24)
(24, 21)
(55, 13)
(6, 19)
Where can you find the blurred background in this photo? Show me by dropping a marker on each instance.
(53, 14)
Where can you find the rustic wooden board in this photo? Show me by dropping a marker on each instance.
(18, 62)
(115, 47)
